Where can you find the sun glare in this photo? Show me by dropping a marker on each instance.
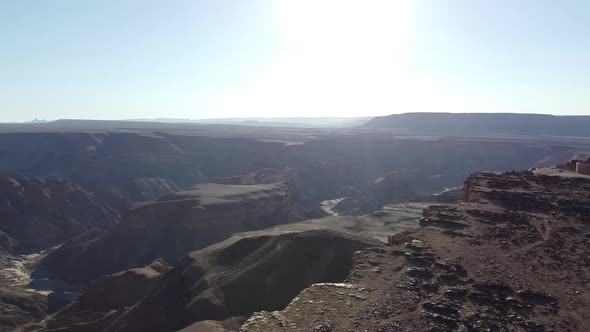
(332, 26)
(342, 58)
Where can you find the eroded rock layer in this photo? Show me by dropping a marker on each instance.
(18, 306)
(513, 257)
(168, 228)
(210, 289)
(39, 213)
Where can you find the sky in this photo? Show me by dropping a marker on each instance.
(195, 59)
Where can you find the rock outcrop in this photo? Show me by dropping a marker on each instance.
(302, 207)
(7, 244)
(104, 296)
(39, 213)
(211, 326)
(389, 188)
(168, 228)
(583, 167)
(121, 289)
(210, 289)
(512, 257)
(136, 190)
(18, 307)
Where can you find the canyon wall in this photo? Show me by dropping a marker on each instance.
(169, 228)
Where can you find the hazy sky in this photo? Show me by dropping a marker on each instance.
(123, 59)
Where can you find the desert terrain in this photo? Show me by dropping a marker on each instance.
(152, 226)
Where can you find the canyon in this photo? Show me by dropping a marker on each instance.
(514, 256)
(129, 226)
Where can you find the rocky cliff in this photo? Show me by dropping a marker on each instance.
(104, 296)
(302, 206)
(37, 214)
(513, 257)
(168, 228)
(214, 287)
(136, 190)
(393, 187)
(100, 158)
(18, 307)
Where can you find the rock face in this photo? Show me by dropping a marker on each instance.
(583, 167)
(208, 326)
(18, 307)
(121, 163)
(512, 257)
(37, 214)
(105, 295)
(392, 187)
(169, 228)
(7, 244)
(121, 289)
(237, 279)
(302, 207)
(136, 190)
(208, 287)
(104, 157)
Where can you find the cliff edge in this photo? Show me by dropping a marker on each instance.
(514, 256)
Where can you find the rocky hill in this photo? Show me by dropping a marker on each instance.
(168, 228)
(513, 257)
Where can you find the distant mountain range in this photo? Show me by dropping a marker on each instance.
(421, 124)
(302, 122)
(296, 122)
(461, 124)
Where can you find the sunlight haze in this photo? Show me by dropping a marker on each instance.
(342, 58)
